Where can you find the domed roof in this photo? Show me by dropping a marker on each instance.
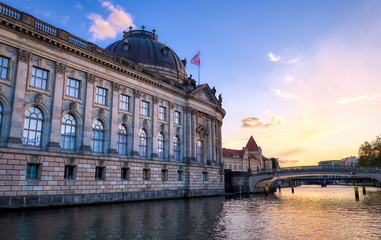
(143, 47)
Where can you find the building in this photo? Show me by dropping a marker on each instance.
(329, 163)
(248, 157)
(349, 161)
(83, 124)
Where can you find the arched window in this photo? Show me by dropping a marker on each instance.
(97, 136)
(68, 132)
(32, 127)
(176, 148)
(122, 140)
(160, 145)
(143, 143)
(200, 151)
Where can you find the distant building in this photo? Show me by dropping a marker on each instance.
(329, 163)
(248, 157)
(349, 161)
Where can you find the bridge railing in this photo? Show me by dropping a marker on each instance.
(318, 169)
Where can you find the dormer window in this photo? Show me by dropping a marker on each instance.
(165, 51)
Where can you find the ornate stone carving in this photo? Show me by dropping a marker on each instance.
(101, 113)
(194, 111)
(60, 68)
(24, 56)
(138, 93)
(38, 98)
(145, 123)
(73, 107)
(220, 99)
(125, 118)
(115, 87)
(90, 78)
(1, 88)
(155, 99)
(172, 105)
(162, 127)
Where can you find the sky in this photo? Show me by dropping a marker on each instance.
(301, 77)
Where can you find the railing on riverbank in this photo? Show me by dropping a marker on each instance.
(302, 169)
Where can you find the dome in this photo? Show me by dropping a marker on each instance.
(143, 47)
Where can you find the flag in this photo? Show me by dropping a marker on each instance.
(196, 59)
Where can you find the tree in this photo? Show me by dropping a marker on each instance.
(370, 153)
(274, 163)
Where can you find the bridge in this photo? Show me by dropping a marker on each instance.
(256, 181)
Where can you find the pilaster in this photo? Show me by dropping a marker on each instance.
(135, 138)
(114, 118)
(155, 123)
(16, 127)
(87, 125)
(171, 130)
(55, 132)
(194, 137)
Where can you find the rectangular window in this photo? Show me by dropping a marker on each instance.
(240, 167)
(145, 174)
(124, 102)
(144, 108)
(72, 88)
(204, 176)
(69, 172)
(177, 117)
(101, 95)
(162, 113)
(4, 63)
(164, 175)
(179, 175)
(100, 173)
(200, 151)
(125, 174)
(32, 171)
(39, 78)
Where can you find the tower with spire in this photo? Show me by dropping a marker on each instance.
(249, 156)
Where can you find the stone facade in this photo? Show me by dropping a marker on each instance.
(82, 125)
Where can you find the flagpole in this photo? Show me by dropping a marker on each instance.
(198, 75)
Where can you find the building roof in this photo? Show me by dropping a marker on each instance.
(232, 153)
(143, 47)
(252, 156)
(251, 144)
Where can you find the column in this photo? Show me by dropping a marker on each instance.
(213, 132)
(16, 128)
(154, 128)
(219, 154)
(135, 138)
(88, 114)
(59, 87)
(194, 137)
(188, 136)
(209, 155)
(171, 130)
(114, 118)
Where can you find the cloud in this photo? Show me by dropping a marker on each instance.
(292, 61)
(78, 6)
(288, 163)
(273, 57)
(277, 137)
(282, 93)
(373, 96)
(275, 120)
(352, 99)
(289, 79)
(253, 122)
(116, 21)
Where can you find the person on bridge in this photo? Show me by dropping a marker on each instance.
(266, 190)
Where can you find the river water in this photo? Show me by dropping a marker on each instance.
(311, 212)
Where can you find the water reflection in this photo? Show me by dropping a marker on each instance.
(311, 213)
